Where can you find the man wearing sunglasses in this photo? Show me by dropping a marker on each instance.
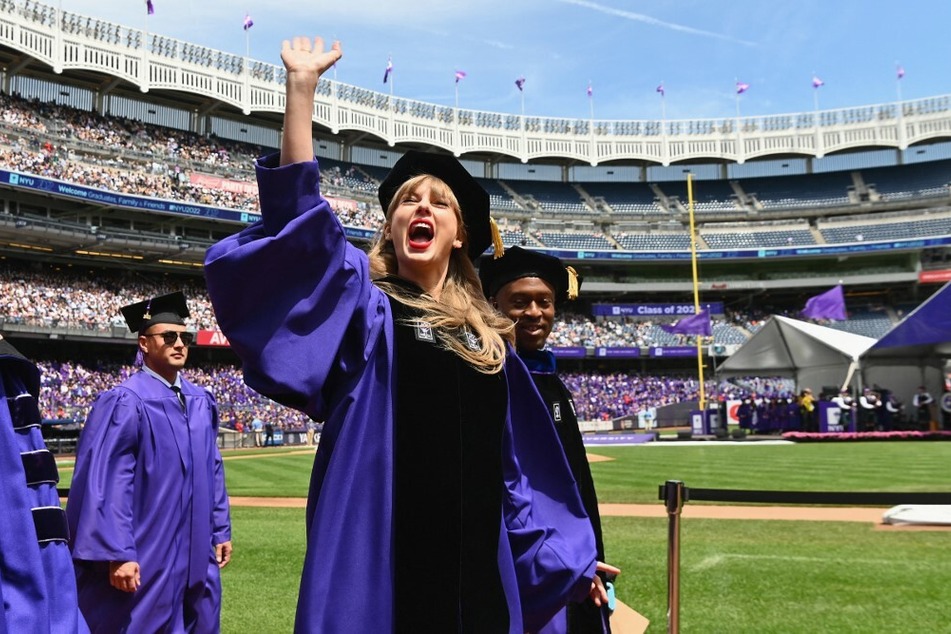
(148, 510)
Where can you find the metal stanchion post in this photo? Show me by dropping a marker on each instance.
(674, 501)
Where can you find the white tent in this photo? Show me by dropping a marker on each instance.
(814, 355)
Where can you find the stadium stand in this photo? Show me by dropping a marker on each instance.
(924, 180)
(555, 198)
(740, 236)
(800, 191)
(625, 198)
(844, 230)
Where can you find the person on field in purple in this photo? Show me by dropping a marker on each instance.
(148, 511)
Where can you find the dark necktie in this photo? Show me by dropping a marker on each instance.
(181, 397)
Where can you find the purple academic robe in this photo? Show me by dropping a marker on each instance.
(149, 487)
(296, 303)
(37, 584)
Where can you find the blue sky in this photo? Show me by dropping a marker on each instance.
(624, 48)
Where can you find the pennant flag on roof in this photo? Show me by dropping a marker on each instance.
(590, 89)
(816, 82)
(698, 324)
(149, 7)
(389, 69)
(828, 305)
(460, 74)
(248, 22)
(660, 89)
(741, 87)
(900, 71)
(520, 82)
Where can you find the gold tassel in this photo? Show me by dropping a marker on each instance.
(497, 245)
(572, 283)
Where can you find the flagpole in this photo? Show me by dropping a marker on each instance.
(591, 103)
(820, 151)
(696, 291)
(665, 148)
(898, 75)
(663, 107)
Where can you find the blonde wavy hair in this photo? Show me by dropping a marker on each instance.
(461, 304)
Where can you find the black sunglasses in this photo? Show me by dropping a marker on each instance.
(170, 337)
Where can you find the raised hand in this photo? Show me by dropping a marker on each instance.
(307, 58)
(305, 61)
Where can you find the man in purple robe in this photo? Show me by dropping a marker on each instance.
(147, 510)
(526, 286)
(37, 587)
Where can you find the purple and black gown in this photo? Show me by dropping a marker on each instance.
(434, 503)
(149, 487)
(37, 584)
(584, 617)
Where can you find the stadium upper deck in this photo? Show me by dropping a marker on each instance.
(111, 59)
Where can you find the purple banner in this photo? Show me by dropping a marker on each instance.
(619, 353)
(653, 310)
(674, 351)
(578, 352)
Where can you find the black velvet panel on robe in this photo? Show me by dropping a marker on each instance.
(585, 617)
(448, 486)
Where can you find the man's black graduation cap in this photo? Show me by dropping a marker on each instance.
(473, 199)
(165, 309)
(518, 263)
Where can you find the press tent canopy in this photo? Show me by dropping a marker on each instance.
(915, 351)
(813, 355)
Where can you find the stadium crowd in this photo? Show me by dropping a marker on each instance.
(74, 297)
(68, 390)
(55, 141)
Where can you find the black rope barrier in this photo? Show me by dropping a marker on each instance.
(674, 494)
(841, 498)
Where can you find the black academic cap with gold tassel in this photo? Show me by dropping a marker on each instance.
(516, 263)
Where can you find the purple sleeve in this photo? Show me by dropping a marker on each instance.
(221, 514)
(550, 534)
(100, 497)
(292, 295)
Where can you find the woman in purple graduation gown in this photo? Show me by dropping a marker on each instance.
(434, 505)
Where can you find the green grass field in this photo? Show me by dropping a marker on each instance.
(737, 576)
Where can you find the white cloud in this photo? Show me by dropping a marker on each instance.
(646, 19)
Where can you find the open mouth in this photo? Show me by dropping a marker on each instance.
(420, 234)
